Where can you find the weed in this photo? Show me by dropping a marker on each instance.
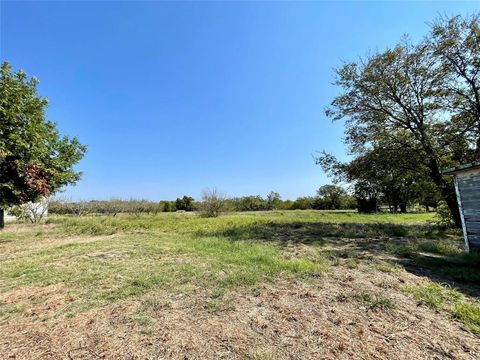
(385, 267)
(387, 284)
(375, 302)
(351, 263)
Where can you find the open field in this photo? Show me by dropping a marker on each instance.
(265, 285)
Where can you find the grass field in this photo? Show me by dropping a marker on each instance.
(265, 285)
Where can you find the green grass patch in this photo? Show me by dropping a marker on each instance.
(374, 301)
(438, 247)
(177, 252)
(7, 310)
(108, 270)
(256, 225)
(441, 256)
(451, 301)
(386, 267)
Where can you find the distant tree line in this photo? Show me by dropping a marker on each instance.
(329, 197)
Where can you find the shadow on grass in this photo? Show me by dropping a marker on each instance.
(460, 271)
(315, 233)
(425, 250)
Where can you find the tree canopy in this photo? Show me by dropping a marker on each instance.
(35, 160)
(412, 110)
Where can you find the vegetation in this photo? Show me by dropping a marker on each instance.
(213, 203)
(449, 300)
(410, 112)
(374, 301)
(168, 250)
(35, 160)
(140, 269)
(330, 197)
(184, 204)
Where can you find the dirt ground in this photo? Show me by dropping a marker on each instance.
(354, 310)
(318, 319)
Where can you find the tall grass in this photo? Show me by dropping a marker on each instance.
(250, 225)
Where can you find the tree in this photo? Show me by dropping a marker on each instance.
(331, 196)
(165, 205)
(250, 203)
(185, 203)
(303, 203)
(35, 160)
(273, 200)
(455, 43)
(384, 170)
(422, 97)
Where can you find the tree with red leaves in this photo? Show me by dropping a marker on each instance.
(35, 160)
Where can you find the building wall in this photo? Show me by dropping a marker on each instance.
(38, 207)
(469, 190)
(8, 217)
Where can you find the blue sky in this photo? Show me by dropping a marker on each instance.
(172, 98)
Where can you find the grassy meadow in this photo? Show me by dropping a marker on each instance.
(56, 273)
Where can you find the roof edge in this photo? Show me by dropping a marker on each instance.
(462, 168)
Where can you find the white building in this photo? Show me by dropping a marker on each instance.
(31, 211)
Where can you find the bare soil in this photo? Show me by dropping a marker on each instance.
(316, 319)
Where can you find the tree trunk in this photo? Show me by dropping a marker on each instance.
(403, 208)
(446, 188)
(2, 218)
(448, 194)
(451, 200)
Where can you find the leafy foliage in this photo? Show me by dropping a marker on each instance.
(334, 197)
(185, 203)
(411, 111)
(35, 160)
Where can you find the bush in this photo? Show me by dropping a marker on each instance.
(213, 203)
(367, 205)
(444, 215)
(185, 203)
(273, 201)
(303, 203)
(249, 203)
(166, 206)
(31, 211)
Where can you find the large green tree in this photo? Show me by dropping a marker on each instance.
(333, 197)
(455, 44)
(35, 160)
(420, 98)
(390, 174)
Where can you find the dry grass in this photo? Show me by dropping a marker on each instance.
(189, 288)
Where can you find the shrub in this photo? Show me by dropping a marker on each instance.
(31, 211)
(185, 203)
(249, 203)
(166, 206)
(213, 203)
(303, 203)
(444, 215)
(273, 201)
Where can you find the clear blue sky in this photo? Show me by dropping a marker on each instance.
(172, 98)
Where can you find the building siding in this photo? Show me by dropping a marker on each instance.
(41, 206)
(469, 192)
